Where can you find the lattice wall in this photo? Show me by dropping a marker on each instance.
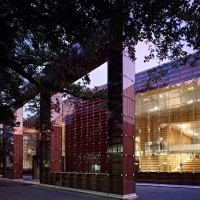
(86, 136)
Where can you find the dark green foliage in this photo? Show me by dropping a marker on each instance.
(42, 42)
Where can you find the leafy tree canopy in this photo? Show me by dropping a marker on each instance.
(46, 45)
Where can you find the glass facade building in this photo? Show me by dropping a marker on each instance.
(99, 136)
(147, 131)
(168, 121)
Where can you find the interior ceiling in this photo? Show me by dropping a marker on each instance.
(173, 97)
(192, 129)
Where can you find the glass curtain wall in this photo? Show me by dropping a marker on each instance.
(29, 150)
(168, 128)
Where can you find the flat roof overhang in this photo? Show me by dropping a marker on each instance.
(87, 63)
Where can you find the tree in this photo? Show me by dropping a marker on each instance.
(47, 41)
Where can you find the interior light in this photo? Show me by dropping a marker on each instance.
(163, 125)
(182, 125)
(154, 109)
(190, 101)
(191, 132)
(145, 99)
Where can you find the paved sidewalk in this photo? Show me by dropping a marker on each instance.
(167, 192)
(32, 190)
(27, 190)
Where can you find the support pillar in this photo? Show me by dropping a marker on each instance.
(18, 146)
(13, 148)
(45, 135)
(121, 125)
(56, 149)
(56, 132)
(1, 150)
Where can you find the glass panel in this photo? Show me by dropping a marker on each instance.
(29, 150)
(168, 128)
(86, 149)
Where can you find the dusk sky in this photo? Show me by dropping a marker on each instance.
(99, 75)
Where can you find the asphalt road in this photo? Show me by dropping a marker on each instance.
(13, 190)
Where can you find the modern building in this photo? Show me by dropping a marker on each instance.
(168, 123)
(167, 127)
(147, 132)
(102, 169)
(99, 139)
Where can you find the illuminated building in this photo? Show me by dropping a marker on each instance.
(168, 123)
(147, 132)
